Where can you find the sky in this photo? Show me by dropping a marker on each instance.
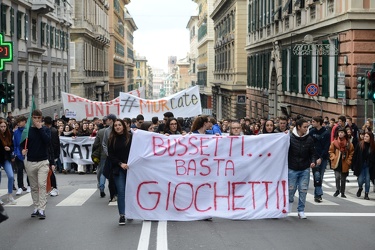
(161, 29)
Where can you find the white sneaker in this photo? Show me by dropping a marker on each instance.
(28, 190)
(19, 191)
(54, 192)
(302, 215)
(11, 200)
(1, 202)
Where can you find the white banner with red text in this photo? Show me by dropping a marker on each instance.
(81, 108)
(195, 177)
(76, 149)
(186, 103)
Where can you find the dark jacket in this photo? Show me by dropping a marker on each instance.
(359, 158)
(39, 141)
(118, 152)
(301, 151)
(5, 155)
(55, 141)
(321, 139)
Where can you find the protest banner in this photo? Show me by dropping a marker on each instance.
(81, 108)
(76, 149)
(194, 177)
(186, 103)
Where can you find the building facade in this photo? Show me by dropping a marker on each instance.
(89, 45)
(229, 85)
(192, 26)
(205, 57)
(130, 27)
(140, 72)
(116, 56)
(39, 31)
(291, 44)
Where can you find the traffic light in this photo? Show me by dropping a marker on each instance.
(3, 93)
(10, 92)
(371, 85)
(361, 86)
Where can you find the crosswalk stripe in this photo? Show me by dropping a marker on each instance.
(3, 192)
(23, 201)
(310, 198)
(77, 198)
(356, 200)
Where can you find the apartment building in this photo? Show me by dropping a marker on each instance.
(140, 72)
(130, 28)
(229, 84)
(205, 57)
(192, 26)
(89, 45)
(39, 31)
(116, 54)
(291, 44)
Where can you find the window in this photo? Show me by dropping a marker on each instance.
(119, 71)
(42, 32)
(53, 86)
(52, 36)
(19, 24)
(11, 21)
(26, 103)
(33, 30)
(59, 85)
(4, 22)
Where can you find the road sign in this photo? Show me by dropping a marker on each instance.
(312, 89)
(6, 51)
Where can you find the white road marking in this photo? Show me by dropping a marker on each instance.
(77, 198)
(310, 199)
(360, 201)
(144, 238)
(162, 239)
(23, 201)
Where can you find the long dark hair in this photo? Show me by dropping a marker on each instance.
(372, 142)
(114, 134)
(199, 122)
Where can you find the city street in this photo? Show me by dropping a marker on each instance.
(79, 219)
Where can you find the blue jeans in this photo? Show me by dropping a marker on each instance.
(301, 180)
(99, 175)
(318, 174)
(120, 181)
(9, 171)
(364, 177)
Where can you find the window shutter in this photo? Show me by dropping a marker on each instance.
(284, 61)
(325, 73)
(294, 71)
(72, 55)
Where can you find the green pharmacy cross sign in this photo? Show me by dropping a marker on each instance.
(6, 51)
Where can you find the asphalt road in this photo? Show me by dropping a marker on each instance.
(79, 219)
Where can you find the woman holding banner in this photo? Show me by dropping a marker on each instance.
(118, 153)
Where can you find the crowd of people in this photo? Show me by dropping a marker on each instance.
(314, 144)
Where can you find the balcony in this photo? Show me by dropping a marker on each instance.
(42, 6)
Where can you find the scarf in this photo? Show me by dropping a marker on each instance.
(340, 143)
